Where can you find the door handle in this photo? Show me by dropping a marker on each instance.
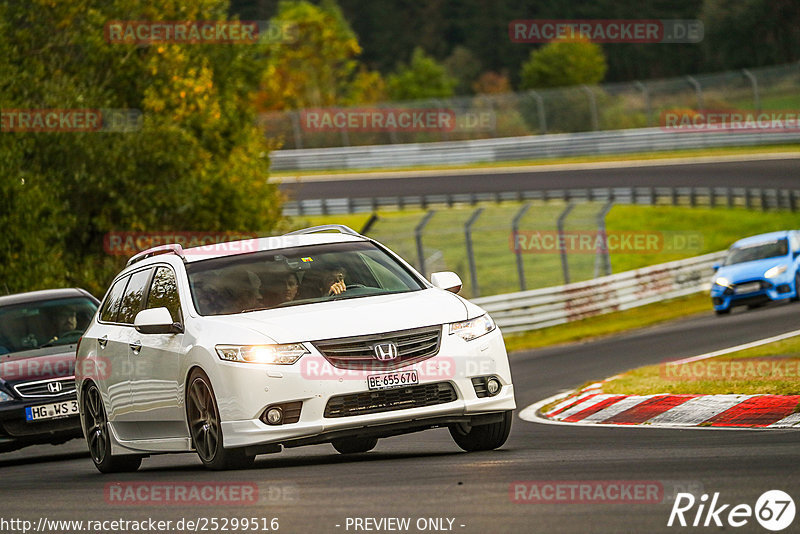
(136, 347)
(103, 341)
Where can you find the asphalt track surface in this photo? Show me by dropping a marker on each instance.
(768, 173)
(425, 475)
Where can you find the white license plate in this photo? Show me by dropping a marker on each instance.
(748, 288)
(51, 411)
(393, 380)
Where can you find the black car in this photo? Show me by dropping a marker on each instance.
(39, 333)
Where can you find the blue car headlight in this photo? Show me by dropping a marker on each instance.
(776, 271)
(722, 282)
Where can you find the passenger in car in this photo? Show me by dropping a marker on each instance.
(281, 288)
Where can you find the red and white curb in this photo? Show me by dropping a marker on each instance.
(592, 407)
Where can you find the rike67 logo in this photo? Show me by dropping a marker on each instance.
(774, 510)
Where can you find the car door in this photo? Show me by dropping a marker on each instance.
(121, 343)
(156, 386)
(111, 364)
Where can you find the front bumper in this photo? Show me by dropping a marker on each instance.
(779, 288)
(16, 431)
(245, 391)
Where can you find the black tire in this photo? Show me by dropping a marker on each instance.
(726, 311)
(483, 437)
(98, 438)
(796, 296)
(202, 416)
(354, 445)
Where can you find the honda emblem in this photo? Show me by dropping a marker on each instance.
(54, 387)
(385, 351)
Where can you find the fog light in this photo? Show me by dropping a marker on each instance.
(274, 416)
(493, 386)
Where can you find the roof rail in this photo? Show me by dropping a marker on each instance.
(342, 229)
(171, 248)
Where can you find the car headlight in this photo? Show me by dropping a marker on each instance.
(277, 354)
(722, 281)
(775, 271)
(474, 328)
(5, 397)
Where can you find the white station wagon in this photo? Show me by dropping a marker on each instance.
(238, 349)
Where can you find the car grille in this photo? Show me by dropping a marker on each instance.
(46, 388)
(388, 400)
(359, 353)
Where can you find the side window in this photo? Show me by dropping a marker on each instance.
(134, 293)
(164, 293)
(111, 306)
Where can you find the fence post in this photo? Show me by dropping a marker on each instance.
(540, 109)
(602, 260)
(562, 251)
(518, 250)
(298, 136)
(593, 104)
(418, 238)
(754, 82)
(646, 92)
(473, 273)
(698, 91)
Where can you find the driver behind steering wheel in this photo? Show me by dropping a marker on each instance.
(66, 322)
(333, 281)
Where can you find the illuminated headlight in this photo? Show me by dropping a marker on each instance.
(722, 281)
(775, 271)
(468, 330)
(277, 354)
(5, 397)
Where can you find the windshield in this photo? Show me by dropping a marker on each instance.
(290, 277)
(758, 251)
(44, 323)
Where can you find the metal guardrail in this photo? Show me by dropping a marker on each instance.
(751, 198)
(516, 148)
(540, 308)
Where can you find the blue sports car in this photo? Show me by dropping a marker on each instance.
(757, 270)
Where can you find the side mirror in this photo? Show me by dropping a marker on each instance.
(156, 321)
(447, 281)
(716, 267)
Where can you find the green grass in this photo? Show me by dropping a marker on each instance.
(609, 324)
(745, 372)
(686, 153)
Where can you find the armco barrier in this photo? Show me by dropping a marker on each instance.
(516, 148)
(540, 308)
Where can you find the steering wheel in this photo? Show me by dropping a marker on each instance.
(66, 335)
(353, 286)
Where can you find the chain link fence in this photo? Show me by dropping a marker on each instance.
(615, 106)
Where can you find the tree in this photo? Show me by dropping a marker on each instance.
(422, 78)
(319, 67)
(462, 65)
(564, 63)
(195, 161)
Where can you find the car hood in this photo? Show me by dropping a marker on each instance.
(750, 269)
(38, 364)
(357, 316)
